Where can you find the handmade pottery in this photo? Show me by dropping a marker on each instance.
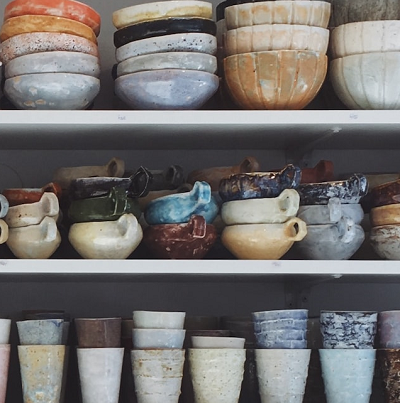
(156, 194)
(41, 372)
(4, 366)
(385, 194)
(375, 180)
(17, 196)
(279, 314)
(183, 42)
(321, 172)
(313, 13)
(144, 339)
(348, 191)
(178, 208)
(4, 206)
(190, 240)
(36, 42)
(166, 89)
(276, 79)
(261, 211)
(263, 241)
(166, 26)
(40, 332)
(347, 374)
(100, 374)
(210, 333)
(258, 38)
(158, 320)
(388, 336)
(385, 241)
(348, 329)
(49, 91)
(106, 239)
(98, 332)
(217, 342)
(259, 184)
(35, 241)
(385, 215)
(25, 24)
(5, 326)
(388, 361)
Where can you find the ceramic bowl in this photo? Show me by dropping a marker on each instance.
(313, 13)
(98, 332)
(54, 62)
(386, 194)
(167, 26)
(40, 331)
(282, 339)
(254, 185)
(158, 320)
(50, 91)
(145, 339)
(389, 329)
(156, 194)
(106, 239)
(17, 196)
(70, 9)
(36, 42)
(375, 180)
(168, 60)
(348, 191)
(255, 80)
(275, 210)
(363, 81)
(183, 42)
(280, 314)
(263, 241)
(385, 215)
(258, 38)
(385, 241)
(217, 342)
(25, 24)
(161, 10)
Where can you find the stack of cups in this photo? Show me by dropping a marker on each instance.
(100, 358)
(158, 355)
(42, 355)
(5, 325)
(348, 356)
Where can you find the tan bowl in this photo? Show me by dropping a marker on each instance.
(385, 215)
(314, 13)
(257, 38)
(284, 79)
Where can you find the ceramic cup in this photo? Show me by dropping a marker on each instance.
(5, 326)
(348, 329)
(388, 334)
(282, 374)
(41, 372)
(4, 204)
(158, 320)
(98, 332)
(388, 361)
(40, 331)
(220, 382)
(347, 374)
(100, 374)
(158, 338)
(217, 342)
(4, 366)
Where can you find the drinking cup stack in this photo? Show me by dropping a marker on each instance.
(50, 54)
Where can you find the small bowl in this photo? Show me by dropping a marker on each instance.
(386, 194)
(217, 342)
(385, 240)
(385, 215)
(152, 339)
(40, 331)
(166, 89)
(279, 314)
(98, 332)
(158, 320)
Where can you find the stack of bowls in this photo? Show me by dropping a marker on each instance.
(165, 54)
(50, 54)
(333, 215)
(259, 209)
(276, 52)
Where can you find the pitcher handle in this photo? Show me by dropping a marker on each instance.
(298, 225)
(335, 209)
(115, 167)
(288, 202)
(291, 175)
(347, 230)
(140, 181)
(198, 226)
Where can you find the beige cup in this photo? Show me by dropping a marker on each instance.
(4, 366)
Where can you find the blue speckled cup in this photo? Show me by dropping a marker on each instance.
(41, 331)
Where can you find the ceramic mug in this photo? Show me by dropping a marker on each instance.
(16, 196)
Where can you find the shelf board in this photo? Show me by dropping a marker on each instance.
(238, 129)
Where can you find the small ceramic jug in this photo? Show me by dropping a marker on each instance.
(16, 196)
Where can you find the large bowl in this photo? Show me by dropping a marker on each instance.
(279, 79)
(166, 89)
(313, 13)
(52, 91)
(385, 240)
(257, 38)
(365, 81)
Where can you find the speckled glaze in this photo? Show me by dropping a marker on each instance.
(4, 366)
(158, 320)
(36, 42)
(385, 194)
(41, 372)
(348, 329)
(40, 331)
(347, 374)
(184, 42)
(279, 314)
(98, 332)
(388, 335)
(217, 342)
(100, 374)
(385, 239)
(149, 339)
(388, 361)
(282, 374)
(17, 196)
(5, 326)
(4, 206)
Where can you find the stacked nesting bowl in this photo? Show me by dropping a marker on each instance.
(276, 53)
(50, 54)
(166, 55)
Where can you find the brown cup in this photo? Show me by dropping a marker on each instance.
(389, 367)
(98, 332)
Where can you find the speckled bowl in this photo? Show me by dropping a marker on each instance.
(144, 339)
(385, 240)
(52, 91)
(166, 89)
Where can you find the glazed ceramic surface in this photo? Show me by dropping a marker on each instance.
(156, 194)
(261, 211)
(4, 206)
(166, 89)
(263, 241)
(5, 326)
(40, 332)
(167, 26)
(385, 241)
(98, 332)
(385, 194)
(4, 367)
(257, 38)
(388, 361)
(50, 91)
(160, 10)
(323, 171)
(25, 24)
(348, 329)
(388, 335)
(279, 314)
(158, 338)
(278, 79)
(158, 320)
(36, 42)
(184, 42)
(217, 342)
(385, 215)
(17, 196)
(106, 239)
(363, 81)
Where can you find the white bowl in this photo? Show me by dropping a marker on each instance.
(157, 338)
(168, 60)
(217, 342)
(158, 320)
(366, 81)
